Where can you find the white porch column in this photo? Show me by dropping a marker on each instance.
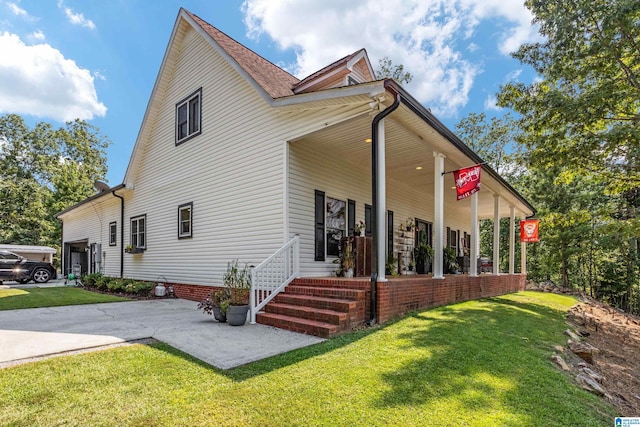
(473, 256)
(381, 203)
(496, 234)
(523, 258)
(438, 214)
(512, 240)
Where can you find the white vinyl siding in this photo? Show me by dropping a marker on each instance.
(89, 222)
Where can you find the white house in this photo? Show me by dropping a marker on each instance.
(235, 157)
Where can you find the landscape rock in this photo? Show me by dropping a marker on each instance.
(590, 384)
(591, 373)
(572, 335)
(558, 360)
(583, 350)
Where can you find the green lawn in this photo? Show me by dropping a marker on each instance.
(11, 299)
(479, 363)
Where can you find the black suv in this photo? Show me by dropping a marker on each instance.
(18, 268)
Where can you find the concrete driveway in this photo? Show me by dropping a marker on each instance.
(37, 332)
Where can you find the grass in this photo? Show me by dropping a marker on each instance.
(11, 299)
(479, 363)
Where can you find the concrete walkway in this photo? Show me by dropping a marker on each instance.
(37, 332)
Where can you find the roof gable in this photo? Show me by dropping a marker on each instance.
(354, 68)
(273, 79)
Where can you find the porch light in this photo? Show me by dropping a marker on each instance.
(368, 140)
(419, 168)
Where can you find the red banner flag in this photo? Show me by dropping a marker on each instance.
(529, 230)
(467, 181)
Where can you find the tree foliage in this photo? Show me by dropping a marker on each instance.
(584, 112)
(43, 171)
(387, 70)
(580, 137)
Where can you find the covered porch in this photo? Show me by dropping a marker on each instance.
(389, 166)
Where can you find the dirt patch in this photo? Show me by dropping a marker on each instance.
(616, 336)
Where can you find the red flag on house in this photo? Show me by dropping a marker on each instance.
(467, 181)
(529, 230)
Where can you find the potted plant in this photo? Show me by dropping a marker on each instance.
(450, 261)
(423, 254)
(391, 266)
(216, 304)
(237, 281)
(131, 249)
(358, 229)
(347, 260)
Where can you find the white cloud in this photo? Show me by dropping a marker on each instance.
(36, 36)
(423, 35)
(99, 75)
(18, 11)
(491, 103)
(513, 75)
(38, 80)
(76, 18)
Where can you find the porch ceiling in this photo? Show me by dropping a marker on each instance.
(410, 143)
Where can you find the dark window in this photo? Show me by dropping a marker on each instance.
(427, 227)
(336, 224)
(185, 218)
(351, 215)
(113, 237)
(188, 117)
(319, 219)
(367, 220)
(139, 232)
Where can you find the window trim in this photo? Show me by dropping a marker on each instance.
(186, 101)
(137, 218)
(113, 242)
(180, 209)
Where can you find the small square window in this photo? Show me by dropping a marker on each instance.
(113, 237)
(185, 215)
(188, 117)
(138, 232)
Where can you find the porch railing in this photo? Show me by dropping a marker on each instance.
(273, 275)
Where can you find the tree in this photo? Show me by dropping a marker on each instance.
(389, 71)
(583, 114)
(43, 171)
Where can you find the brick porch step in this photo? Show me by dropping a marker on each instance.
(298, 324)
(327, 303)
(328, 292)
(322, 315)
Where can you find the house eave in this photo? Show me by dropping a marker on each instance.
(91, 199)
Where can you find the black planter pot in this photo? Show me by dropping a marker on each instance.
(237, 314)
(219, 315)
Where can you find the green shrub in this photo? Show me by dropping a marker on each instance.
(90, 279)
(116, 285)
(102, 282)
(139, 287)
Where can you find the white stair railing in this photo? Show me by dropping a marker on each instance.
(273, 275)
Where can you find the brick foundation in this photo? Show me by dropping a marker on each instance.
(401, 295)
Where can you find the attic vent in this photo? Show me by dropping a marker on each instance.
(351, 81)
(101, 186)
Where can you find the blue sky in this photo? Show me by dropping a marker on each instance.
(98, 60)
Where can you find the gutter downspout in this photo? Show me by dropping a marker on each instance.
(374, 197)
(121, 232)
